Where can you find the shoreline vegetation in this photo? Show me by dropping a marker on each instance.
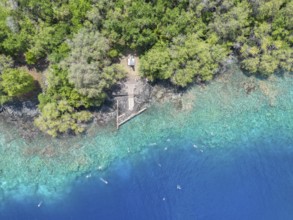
(60, 61)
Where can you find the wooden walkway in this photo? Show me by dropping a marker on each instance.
(131, 83)
(119, 118)
(130, 91)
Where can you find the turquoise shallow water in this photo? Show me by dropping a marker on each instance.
(236, 182)
(222, 115)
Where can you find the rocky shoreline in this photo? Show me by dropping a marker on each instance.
(21, 114)
(146, 95)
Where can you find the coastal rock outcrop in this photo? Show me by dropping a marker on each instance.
(21, 115)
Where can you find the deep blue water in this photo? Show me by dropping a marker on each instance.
(251, 182)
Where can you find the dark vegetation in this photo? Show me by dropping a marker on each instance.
(181, 41)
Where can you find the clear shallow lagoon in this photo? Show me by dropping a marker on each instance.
(229, 150)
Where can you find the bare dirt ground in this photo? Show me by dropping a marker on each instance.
(132, 79)
(38, 76)
(132, 74)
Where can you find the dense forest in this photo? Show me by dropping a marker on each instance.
(76, 44)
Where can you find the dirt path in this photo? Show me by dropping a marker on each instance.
(131, 73)
(131, 82)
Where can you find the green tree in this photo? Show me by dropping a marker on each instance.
(5, 62)
(46, 41)
(90, 70)
(283, 23)
(58, 88)
(155, 63)
(189, 58)
(141, 24)
(78, 9)
(60, 117)
(231, 19)
(265, 53)
(15, 82)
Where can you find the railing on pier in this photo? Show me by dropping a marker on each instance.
(118, 117)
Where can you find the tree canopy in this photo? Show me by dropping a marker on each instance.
(186, 59)
(88, 64)
(60, 117)
(15, 82)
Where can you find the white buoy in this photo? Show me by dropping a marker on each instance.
(164, 199)
(179, 187)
